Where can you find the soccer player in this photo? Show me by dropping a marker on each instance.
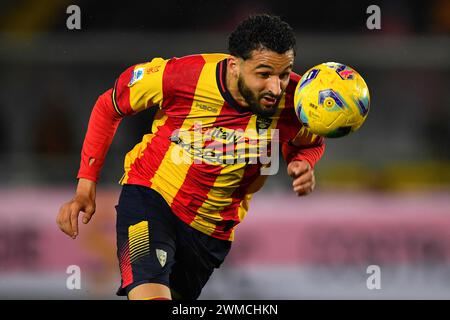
(188, 183)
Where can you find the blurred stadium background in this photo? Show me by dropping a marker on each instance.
(383, 193)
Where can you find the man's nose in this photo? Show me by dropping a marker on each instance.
(274, 86)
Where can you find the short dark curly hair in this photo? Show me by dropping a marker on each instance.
(258, 32)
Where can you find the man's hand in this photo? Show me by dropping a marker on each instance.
(304, 181)
(84, 200)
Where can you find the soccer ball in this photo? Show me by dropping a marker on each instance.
(332, 100)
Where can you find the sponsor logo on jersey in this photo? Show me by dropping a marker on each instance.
(206, 108)
(153, 69)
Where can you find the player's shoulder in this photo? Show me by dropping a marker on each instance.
(188, 68)
(294, 78)
(214, 57)
(197, 59)
(178, 66)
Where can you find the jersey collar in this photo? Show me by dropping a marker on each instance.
(221, 76)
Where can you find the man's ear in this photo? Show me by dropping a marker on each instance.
(233, 65)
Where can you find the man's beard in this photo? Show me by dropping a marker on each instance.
(253, 100)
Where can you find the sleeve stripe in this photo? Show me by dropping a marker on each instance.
(116, 107)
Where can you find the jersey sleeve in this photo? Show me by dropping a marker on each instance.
(102, 127)
(139, 87)
(304, 146)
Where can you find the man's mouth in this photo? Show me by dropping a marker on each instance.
(268, 101)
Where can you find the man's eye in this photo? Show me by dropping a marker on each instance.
(264, 74)
(284, 76)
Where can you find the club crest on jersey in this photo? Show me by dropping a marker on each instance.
(263, 123)
(162, 257)
(138, 74)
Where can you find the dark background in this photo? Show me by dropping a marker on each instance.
(51, 76)
(382, 193)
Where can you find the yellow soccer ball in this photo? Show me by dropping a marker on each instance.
(332, 100)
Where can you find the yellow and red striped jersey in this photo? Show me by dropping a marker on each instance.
(200, 154)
